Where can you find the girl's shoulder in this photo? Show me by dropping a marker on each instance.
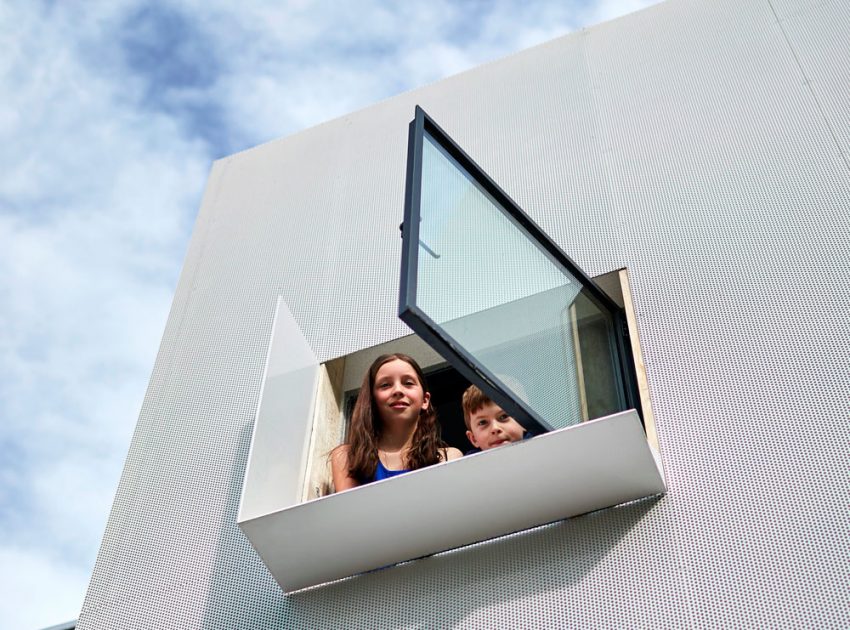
(339, 456)
(449, 453)
(340, 451)
(340, 470)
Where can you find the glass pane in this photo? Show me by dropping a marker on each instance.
(507, 302)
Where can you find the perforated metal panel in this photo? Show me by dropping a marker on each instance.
(702, 144)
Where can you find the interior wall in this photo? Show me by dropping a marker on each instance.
(702, 144)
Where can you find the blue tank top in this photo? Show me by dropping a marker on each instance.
(386, 473)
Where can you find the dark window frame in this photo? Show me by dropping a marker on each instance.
(443, 343)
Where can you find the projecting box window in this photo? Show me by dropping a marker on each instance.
(493, 302)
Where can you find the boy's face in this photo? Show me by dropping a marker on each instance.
(490, 427)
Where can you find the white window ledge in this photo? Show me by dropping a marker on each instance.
(564, 473)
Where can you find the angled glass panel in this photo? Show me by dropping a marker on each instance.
(498, 299)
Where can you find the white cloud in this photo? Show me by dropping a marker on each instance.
(105, 155)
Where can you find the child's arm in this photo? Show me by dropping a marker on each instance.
(339, 469)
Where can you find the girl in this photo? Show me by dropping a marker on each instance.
(393, 427)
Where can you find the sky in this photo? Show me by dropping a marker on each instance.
(111, 114)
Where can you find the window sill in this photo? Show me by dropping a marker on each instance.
(564, 473)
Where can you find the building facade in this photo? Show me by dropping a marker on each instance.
(703, 145)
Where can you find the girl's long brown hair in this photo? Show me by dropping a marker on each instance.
(365, 428)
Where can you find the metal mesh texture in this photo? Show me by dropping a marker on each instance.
(705, 145)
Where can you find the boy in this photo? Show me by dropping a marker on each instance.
(487, 426)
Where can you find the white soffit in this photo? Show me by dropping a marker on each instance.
(564, 473)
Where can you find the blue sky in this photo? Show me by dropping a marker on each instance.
(110, 117)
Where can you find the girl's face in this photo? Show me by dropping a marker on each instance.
(398, 394)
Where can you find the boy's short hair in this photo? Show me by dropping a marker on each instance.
(473, 400)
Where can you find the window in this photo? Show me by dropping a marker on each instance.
(485, 287)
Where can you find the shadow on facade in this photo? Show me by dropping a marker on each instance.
(447, 589)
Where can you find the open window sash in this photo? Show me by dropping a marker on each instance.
(484, 286)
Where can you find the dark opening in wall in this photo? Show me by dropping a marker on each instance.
(447, 387)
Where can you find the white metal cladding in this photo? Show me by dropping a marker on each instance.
(704, 145)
